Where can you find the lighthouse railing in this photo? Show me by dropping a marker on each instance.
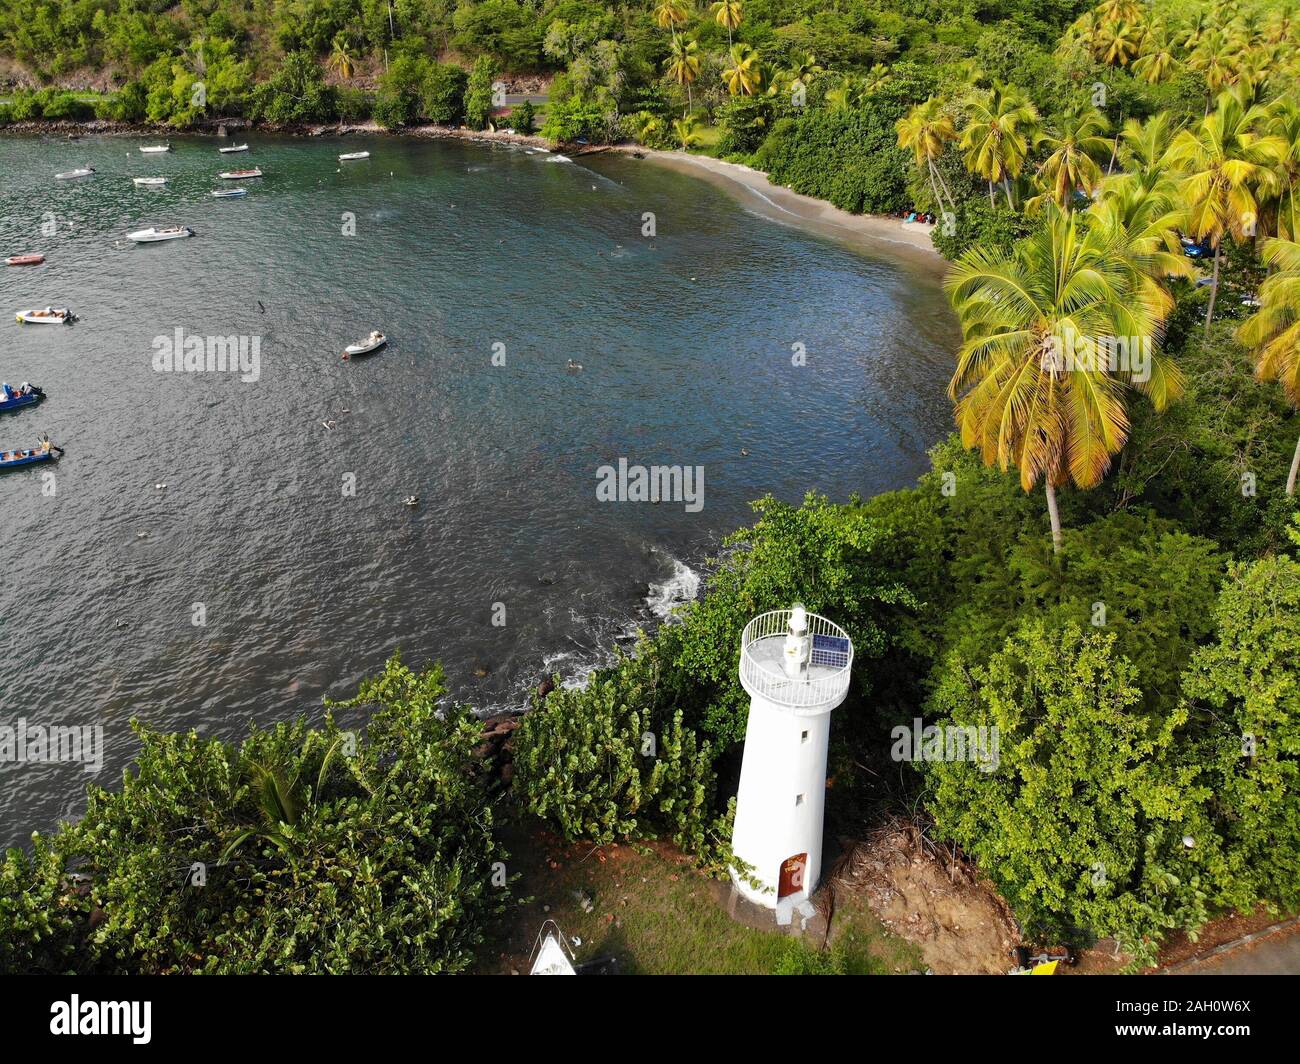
(827, 682)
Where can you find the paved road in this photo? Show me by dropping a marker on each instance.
(1277, 954)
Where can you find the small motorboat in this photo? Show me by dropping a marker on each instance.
(155, 149)
(373, 342)
(152, 182)
(228, 193)
(68, 175)
(354, 155)
(45, 452)
(240, 175)
(48, 316)
(24, 260)
(15, 399)
(233, 148)
(152, 235)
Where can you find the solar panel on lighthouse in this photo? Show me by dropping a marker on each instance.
(830, 650)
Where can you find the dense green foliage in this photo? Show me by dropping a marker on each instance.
(613, 760)
(322, 851)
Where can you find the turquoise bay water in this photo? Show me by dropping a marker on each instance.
(685, 342)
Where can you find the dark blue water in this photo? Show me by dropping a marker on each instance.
(685, 343)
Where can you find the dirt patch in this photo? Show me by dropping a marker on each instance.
(923, 894)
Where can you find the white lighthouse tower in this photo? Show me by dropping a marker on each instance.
(795, 666)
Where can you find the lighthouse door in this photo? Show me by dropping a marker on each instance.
(792, 875)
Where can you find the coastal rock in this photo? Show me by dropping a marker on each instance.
(545, 688)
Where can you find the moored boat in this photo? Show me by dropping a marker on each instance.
(24, 260)
(16, 398)
(153, 235)
(155, 149)
(43, 452)
(373, 342)
(68, 175)
(47, 316)
(227, 193)
(152, 181)
(240, 175)
(354, 155)
(233, 148)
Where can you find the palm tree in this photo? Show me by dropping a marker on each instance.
(1273, 331)
(728, 14)
(745, 74)
(1143, 149)
(1156, 61)
(1118, 43)
(876, 77)
(1055, 418)
(684, 66)
(803, 69)
(684, 129)
(1283, 208)
(997, 135)
(1215, 59)
(926, 130)
(1072, 165)
(1118, 11)
(281, 802)
(1141, 220)
(1224, 161)
(850, 92)
(669, 14)
(341, 58)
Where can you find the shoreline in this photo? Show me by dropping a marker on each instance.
(872, 233)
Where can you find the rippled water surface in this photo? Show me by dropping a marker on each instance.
(685, 343)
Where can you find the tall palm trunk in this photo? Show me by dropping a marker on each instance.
(1295, 468)
(992, 201)
(1006, 187)
(1214, 288)
(1053, 514)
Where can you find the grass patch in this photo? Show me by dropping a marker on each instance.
(655, 914)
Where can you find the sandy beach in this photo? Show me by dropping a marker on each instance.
(872, 233)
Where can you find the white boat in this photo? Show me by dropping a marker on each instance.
(233, 148)
(67, 175)
(152, 235)
(156, 149)
(373, 342)
(227, 193)
(47, 316)
(552, 954)
(152, 182)
(239, 175)
(354, 155)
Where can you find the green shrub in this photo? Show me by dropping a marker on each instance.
(1082, 822)
(614, 761)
